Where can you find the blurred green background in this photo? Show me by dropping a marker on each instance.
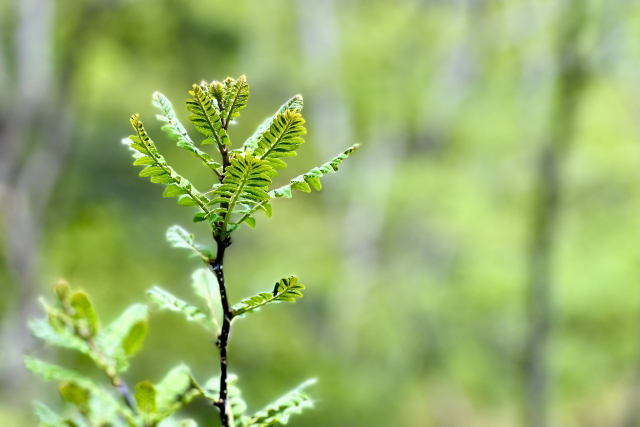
(476, 263)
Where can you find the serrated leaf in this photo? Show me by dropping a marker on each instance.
(181, 238)
(166, 300)
(312, 177)
(287, 289)
(84, 312)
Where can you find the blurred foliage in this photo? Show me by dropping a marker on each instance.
(415, 300)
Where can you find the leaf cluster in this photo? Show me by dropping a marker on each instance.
(244, 175)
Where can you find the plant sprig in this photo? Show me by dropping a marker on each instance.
(243, 188)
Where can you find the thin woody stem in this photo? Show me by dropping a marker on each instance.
(217, 268)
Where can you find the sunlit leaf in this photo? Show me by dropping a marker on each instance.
(287, 289)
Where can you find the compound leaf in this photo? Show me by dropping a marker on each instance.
(312, 178)
(60, 337)
(279, 412)
(246, 182)
(287, 289)
(53, 372)
(294, 104)
(206, 118)
(236, 95)
(157, 168)
(180, 238)
(166, 300)
(176, 389)
(281, 139)
(176, 130)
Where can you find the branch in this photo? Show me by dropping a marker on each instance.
(217, 268)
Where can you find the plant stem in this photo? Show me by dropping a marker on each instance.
(216, 267)
(123, 389)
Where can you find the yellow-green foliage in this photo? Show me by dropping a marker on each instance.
(244, 177)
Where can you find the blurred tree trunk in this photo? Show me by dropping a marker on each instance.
(570, 81)
(35, 137)
(27, 94)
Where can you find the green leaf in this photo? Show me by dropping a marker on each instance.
(251, 221)
(279, 412)
(53, 372)
(166, 300)
(123, 337)
(175, 390)
(174, 128)
(206, 285)
(312, 177)
(84, 312)
(157, 168)
(173, 191)
(47, 417)
(281, 139)
(180, 238)
(76, 395)
(287, 289)
(206, 118)
(236, 94)
(294, 104)
(246, 182)
(133, 341)
(146, 398)
(60, 338)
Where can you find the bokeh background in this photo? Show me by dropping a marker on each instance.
(476, 263)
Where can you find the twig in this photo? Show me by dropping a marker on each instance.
(217, 268)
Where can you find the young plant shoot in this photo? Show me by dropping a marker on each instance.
(241, 189)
